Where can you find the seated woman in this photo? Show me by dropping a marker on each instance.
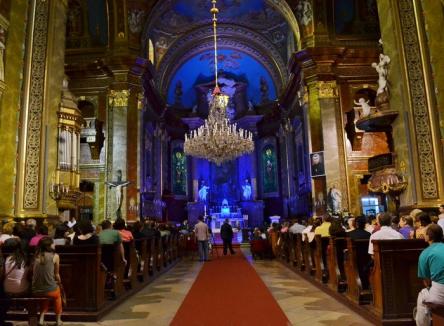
(16, 271)
(423, 220)
(87, 235)
(406, 226)
(61, 235)
(46, 278)
(120, 226)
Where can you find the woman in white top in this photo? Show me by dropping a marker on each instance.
(17, 271)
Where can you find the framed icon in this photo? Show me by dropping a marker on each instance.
(317, 164)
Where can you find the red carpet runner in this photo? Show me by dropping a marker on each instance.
(229, 292)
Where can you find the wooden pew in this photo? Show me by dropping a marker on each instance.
(141, 250)
(32, 306)
(159, 253)
(130, 275)
(284, 247)
(308, 253)
(358, 283)
(335, 259)
(298, 252)
(321, 258)
(112, 260)
(150, 254)
(82, 263)
(394, 280)
(437, 314)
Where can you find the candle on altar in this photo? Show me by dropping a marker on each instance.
(205, 210)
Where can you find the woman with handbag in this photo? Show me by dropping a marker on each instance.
(46, 280)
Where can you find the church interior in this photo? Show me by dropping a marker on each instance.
(289, 124)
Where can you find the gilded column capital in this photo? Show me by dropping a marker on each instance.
(327, 89)
(118, 98)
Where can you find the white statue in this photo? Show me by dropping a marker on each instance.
(246, 190)
(203, 192)
(381, 69)
(335, 198)
(250, 106)
(366, 108)
(118, 185)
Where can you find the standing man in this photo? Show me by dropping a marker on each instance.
(431, 271)
(202, 236)
(226, 233)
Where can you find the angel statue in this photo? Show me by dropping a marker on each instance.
(366, 108)
(118, 185)
(381, 69)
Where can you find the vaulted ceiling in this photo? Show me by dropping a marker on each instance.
(255, 39)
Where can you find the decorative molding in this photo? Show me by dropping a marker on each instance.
(327, 89)
(34, 123)
(234, 37)
(118, 98)
(419, 101)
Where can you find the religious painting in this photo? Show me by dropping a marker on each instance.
(179, 172)
(355, 18)
(269, 169)
(224, 184)
(317, 164)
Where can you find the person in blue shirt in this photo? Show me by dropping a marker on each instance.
(431, 271)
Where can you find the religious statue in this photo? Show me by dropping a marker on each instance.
(335, 199)
(304, 12)
(366, 108)
(381, 69)
(246, 190)
(118, 185)
(250, 106)
(203, 192)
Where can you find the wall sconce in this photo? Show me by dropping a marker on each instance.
(57, 191)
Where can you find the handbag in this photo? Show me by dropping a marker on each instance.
(62, 295)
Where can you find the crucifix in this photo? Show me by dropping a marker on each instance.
(118, 185)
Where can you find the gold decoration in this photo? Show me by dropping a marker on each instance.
(327, 89)
(118, 98)
(419, 100)
(36, 107)
(387, 181)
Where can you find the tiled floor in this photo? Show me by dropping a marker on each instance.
(303, 303)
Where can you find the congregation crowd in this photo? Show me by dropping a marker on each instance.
(32, 267)
(416, 225)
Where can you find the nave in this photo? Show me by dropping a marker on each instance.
(162, 302)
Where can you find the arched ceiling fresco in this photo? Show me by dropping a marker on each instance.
(262, 32)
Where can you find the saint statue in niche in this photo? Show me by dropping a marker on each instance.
(334, 198)
(246, 190)
(203, 192)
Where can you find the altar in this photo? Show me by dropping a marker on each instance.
(218, 214)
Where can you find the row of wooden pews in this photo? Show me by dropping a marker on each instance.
(95, 279)
(383, 290)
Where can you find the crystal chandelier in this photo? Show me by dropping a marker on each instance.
(218, 140)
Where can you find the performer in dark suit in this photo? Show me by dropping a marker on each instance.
(226, 233)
